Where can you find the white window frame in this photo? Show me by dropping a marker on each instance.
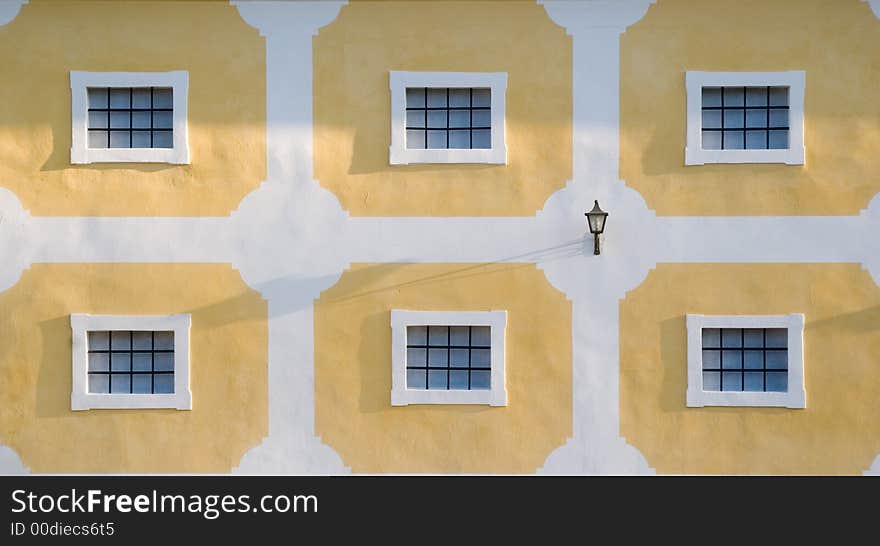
(82, 399)
(496, 395)
(697, 80)
(80, 153)
(795, 397)
(400, 80)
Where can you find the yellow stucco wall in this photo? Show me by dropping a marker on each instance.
(352, 108)
(842, 114)
(226, 112)
(353, 412)
(837, 433)
(228, 376)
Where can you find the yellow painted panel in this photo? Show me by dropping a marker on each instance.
(352, 109)
(228, 375)
(353, 412)
(226, 109)
(837, 433)
(834, 42)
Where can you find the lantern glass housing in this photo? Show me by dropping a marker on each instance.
(596, 219)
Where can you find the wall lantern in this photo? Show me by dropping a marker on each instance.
(596, 219)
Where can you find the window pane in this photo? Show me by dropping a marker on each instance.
(482, 139)
(756, 118)
(733, 140)
(162, 120)
(777, 337)
(142, 383)
(458, 335)
(459, 118)
(711, 140)
(437, 118)
(711, 337)
(731, 337)
(777, 360)
(731, 381)
(459, 97)
(482, 97)
(733, 119)
(140, 97)
(98, 120)
(777, 382)
(437, 357)
(754, 360)
(481, 336)
(163, 383)
(437, 379)
(711, 96)
(120, 383)
(119, 139)
(481, 358)
(756, 96)
(99, 362)
(163, 139)
(460, 139)
(415, 140)
(142, 362)
(438, 335)
(119, 97)
(99, 383)
(754, 381)
(459, 358)
(163, 340)
(163, 362)
(140, 120)
(436, 140)
(458, 380)
(437, 98)
(417, 335)
(415, 379)
(120, 362)
(482, 118)
(754, 337)
(711, 381)
(733, 96)
(756, 140)
(98, 139)
(415, 97)
(731, 359)
(416, 357)
(779, 140)
(779, 96)
(142, 340)
(712, 359)
(162, 97)
(120, 120)
(99, 341)
(140, 139)
(778, 118)
(121, 340)
(97, 97)
(480, 380)
(415, 118)
(711, 119)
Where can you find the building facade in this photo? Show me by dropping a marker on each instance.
(320, 237)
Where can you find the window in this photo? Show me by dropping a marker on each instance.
(447, 117)
(745, 117)
(129, 117)
(448, 357)
(745, 361)
(130, 361)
